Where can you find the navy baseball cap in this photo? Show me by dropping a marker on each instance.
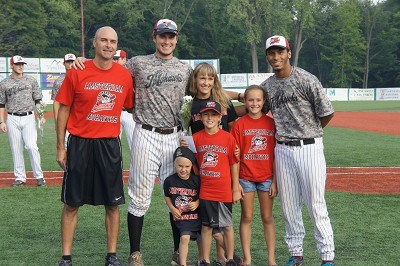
(210, 105)
(185, 153)
(165, 26)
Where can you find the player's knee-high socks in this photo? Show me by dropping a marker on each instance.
(135, 226)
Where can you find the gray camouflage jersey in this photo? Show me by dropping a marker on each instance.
(159, 89)
(296, 103)
(57, 85)
(19, 95)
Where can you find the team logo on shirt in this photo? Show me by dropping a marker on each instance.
(258, 143)
(210, 159)
(182, 203)
(105, 101)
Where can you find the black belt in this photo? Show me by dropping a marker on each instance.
(297, 142)
(21, 114)
(162, 130)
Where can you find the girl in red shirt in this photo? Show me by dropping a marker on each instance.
(254, 133)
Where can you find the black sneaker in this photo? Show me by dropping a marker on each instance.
(65, 263)
(112, 261)
(18, 183)
(231, 263)
(204, 263)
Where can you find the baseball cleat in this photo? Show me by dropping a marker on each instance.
(295, 261)
(41, 182)
(112, 261)
(18, 183)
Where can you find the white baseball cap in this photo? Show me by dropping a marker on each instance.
(277, 41)
(69, 57)
(17, 59)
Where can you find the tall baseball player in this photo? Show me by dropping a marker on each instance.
(301, 110)
(19, 93)
(161, 81)
(68, 60)
(127, 122)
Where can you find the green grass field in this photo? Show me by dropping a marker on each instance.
(365, 226)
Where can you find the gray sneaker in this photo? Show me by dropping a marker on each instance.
(112, 261)
(135, 259)
(41, 182)
(65, 263)
(18, 183)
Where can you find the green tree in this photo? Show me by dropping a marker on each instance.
(346, 48)
(23, 24)
(63, 27)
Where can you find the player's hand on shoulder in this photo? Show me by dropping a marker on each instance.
(79, 63)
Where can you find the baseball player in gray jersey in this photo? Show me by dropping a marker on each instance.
(161, 81)
(68, 60)
(19, 93)
(127, 123)
(301, 110)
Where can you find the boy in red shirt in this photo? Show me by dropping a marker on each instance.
(219, 176)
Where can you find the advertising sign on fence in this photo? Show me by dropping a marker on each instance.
(52, 65)
(361, 95)
(387, 94)
(258, 78)
(337, 94)
(233, 80)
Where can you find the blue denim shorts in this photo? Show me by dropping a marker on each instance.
(250, 186)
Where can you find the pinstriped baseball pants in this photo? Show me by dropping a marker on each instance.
(128, 125)
(22, 132)
(151, 157)
(301, 177)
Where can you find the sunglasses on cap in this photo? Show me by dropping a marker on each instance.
(165, 25)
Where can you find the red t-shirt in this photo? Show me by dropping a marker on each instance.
(96, 98)
(256, 140)
(215, 155)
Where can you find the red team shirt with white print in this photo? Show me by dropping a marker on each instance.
(215, 155)
(96, 98)
(256, 140)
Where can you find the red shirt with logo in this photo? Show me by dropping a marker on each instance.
(96, 98)
(215, 155)
(256, 140)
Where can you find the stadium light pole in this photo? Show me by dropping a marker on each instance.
(82, 30)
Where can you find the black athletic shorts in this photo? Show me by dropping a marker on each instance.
(216, 214)
(94, 172)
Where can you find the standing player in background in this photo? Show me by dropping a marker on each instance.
(254, 133)
(127, 122)
(90, 108)
(68, 60)
(301, 110)
(19, 93)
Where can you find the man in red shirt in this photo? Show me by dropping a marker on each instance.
(90, 106)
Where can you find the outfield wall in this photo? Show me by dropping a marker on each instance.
(47, 70)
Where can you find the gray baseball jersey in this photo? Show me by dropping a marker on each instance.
(19, 95)
(297, 102)
(159, 89)
(56, 86)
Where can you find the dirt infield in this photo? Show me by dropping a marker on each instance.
(379, 122)
(369, 180)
